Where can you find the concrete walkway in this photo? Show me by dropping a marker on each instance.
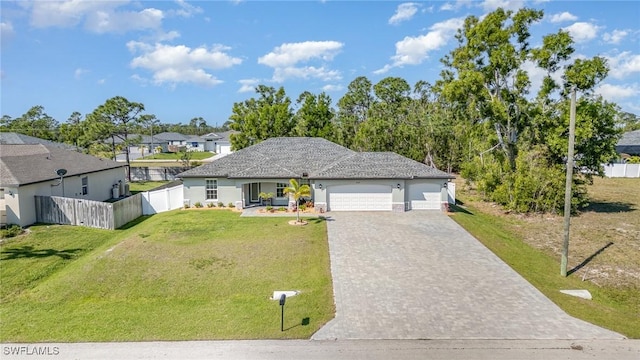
(419, 275)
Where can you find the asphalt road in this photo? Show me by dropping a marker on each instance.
(341, 349)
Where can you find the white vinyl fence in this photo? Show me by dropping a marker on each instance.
(158, 201)
(622, 170)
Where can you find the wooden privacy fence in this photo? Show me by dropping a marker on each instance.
(96, 214)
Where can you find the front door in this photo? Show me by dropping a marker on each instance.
(254, 191)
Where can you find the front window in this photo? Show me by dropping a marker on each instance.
(280, 189)
(212, 189)
(85, 185)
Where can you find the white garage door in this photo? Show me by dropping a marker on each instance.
(424, 196)
(360, 198)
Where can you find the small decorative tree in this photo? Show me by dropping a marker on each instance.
(297, 191)
(266, 197)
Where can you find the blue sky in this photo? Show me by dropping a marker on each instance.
(187, 59)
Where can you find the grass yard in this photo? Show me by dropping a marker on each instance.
(140, 186)
(195, 155)
(604, 251)
(179, 275)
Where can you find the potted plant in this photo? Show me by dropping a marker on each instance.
(266, 198)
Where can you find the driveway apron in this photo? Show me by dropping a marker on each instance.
(419, 275)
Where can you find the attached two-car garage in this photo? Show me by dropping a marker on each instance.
(409, 194)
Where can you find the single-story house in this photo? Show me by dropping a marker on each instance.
(629, 143)
(172, 140)
(33, 169)
(220, 143)
(340, 179)
(195, 143)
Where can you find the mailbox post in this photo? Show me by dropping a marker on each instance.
(283, 299)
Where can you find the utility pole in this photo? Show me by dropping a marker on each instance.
(569, 182)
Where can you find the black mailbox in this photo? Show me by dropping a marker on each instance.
(283, 298)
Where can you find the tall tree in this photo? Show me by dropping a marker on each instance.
(72, 132)
(269, 115)
(314, 118)
(114, 120)
(353, 110)
(35, 122)
(515, 136)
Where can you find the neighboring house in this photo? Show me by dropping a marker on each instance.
(140, 148)
(220, 143)
(195, 143)
(340, 179)
(629, 143)
(173, 141)
(30, 170)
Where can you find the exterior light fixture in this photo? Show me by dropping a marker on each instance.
(320, 186)
(398, 186)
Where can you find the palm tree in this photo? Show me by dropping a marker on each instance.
(297, 191)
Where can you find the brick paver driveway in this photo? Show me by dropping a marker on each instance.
(418, 275)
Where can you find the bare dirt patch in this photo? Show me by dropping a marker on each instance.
(604, 243)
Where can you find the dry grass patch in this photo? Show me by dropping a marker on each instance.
(604, 243)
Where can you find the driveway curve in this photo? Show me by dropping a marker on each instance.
(419, 275)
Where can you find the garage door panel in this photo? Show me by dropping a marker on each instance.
(360, 198)
(425, 196)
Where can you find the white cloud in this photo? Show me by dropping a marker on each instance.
(490, 5)
(96, 16)
(285, 60)
(456, 5)
(181, 64)
(186, 10)
(332, 87)
(101, 81)
(623, 64)
(79, 72)
(615, 37)
(404, 12)
(562, 17)
(414, 50)
(582, 31)
(248, 85)
(618, 92)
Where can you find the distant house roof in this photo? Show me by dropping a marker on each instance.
(316, 158)
(11, 138)
(170, 136)
(221, 136)
(194, 138)
(629, 143)
(27, 164)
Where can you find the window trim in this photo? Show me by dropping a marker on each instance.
(214, 190)
(280, 190)
(85, 185)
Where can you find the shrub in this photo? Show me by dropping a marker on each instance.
(210, 205)
(269, 208)
(10, 231)
(198, 204)
(220, 204)
(303, 207)
(186, 205)
(231, 205)
(282, 208)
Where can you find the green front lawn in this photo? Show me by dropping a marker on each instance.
(179, 275)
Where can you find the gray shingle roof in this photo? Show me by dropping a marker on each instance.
(291, 157)
(11, 138)
(26, 164)
(169, 136)
(629, 143)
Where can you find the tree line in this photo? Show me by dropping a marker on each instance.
(482, 118)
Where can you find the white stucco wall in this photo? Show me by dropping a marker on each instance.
(195, 191)
(20, 201)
